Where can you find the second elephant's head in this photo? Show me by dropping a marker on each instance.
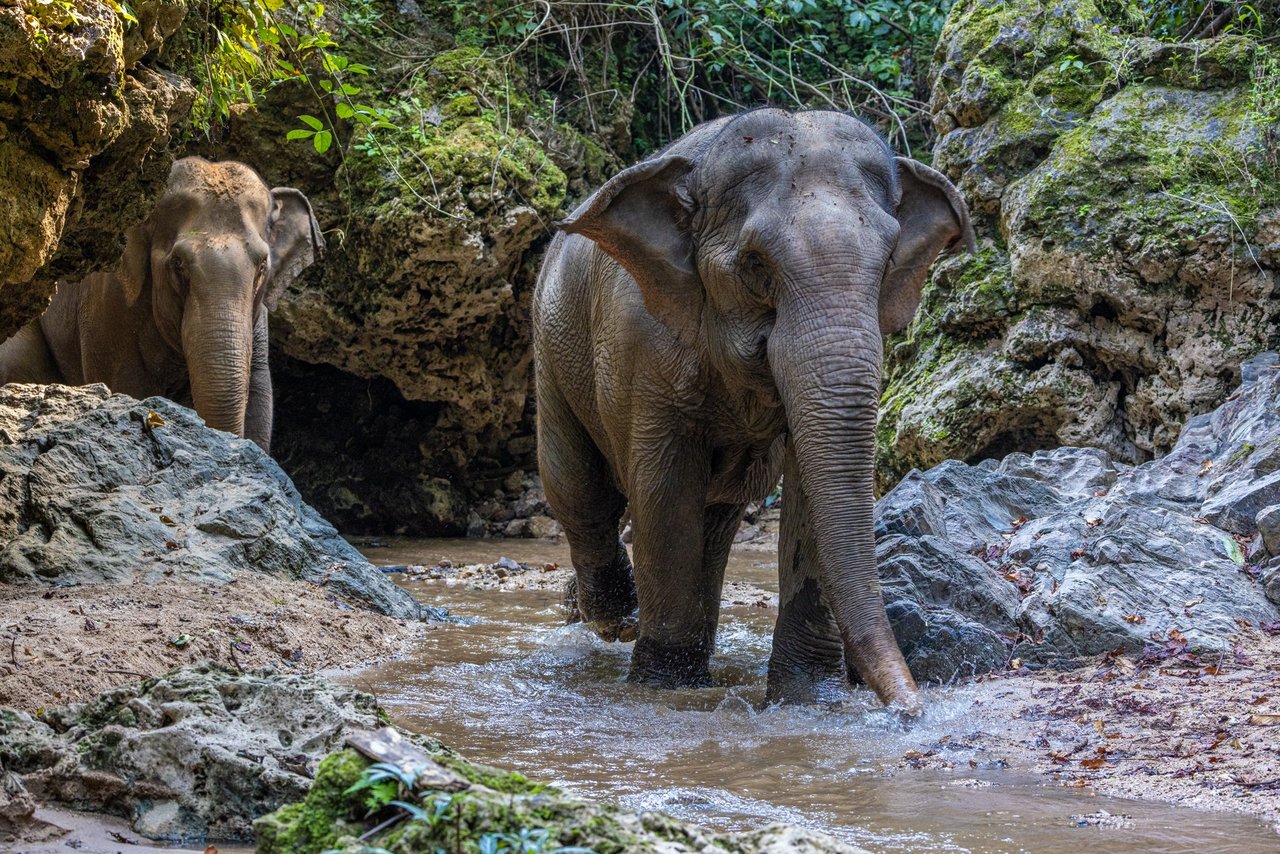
(219, 249)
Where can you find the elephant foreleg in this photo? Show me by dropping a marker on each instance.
(25, 358)
(260, 409)
(581, 491)
(806, 640)
(678, 591)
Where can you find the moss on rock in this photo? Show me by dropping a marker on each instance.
(1126, 190)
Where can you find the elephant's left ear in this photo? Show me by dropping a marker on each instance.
(295, 240)
(933, 218)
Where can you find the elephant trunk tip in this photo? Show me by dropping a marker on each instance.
(890, 678)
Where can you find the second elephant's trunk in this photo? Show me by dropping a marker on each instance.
(218, 344)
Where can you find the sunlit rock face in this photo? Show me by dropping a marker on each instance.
(102, 488)
(1127, 199)
(85, 122)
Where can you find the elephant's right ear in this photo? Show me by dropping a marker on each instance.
(641, 219)
(135, 264)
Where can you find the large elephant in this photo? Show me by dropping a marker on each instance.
(185, 313)
(712, 318)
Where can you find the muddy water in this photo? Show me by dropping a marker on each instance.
(513, 686)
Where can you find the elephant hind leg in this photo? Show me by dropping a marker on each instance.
(581, 491)
(25, 358)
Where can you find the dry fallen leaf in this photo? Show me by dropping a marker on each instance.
(154, 420)
(1265, 720)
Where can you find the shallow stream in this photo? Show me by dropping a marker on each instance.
(512, 686)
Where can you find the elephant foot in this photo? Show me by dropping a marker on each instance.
(670, 665)
(612, 618)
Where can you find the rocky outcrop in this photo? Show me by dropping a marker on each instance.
(404, 378)
(1127, 198)
(97, 488)
(203, 752)
(84, 126)
(1068, 553)
(196, 754)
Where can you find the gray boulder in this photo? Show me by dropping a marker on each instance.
(1066, 553)
(194, 755)
(102, 488)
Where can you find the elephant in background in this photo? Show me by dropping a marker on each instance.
(185, 313)
(708, 320)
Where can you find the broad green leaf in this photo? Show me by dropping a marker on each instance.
(299, 133)
(311, 122)
(322, 141)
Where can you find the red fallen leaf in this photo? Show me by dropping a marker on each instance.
(1019, 522)
(1093, 764)
(1061, 758)
(1099, 493)
(1137, 619)
(1212, 670)
(1217, 759)
(1259, 700)
(1243, 623)
(1077, 553)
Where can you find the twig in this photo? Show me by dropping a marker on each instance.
(13, 652)
(126, 673)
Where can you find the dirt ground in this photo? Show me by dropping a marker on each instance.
(1168, 725)
(67, 644)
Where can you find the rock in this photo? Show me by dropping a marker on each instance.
(101, 488)
(1121, 278)
(498, 806)
(193, 755)
(422, 314)
(84, 137)
(1062, 554)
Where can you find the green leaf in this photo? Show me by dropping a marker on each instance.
(322, 141)
(1234, 551)
(345, 111)
(311, 122)
(299, 133)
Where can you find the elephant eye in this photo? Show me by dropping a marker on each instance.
(754, 271)
(262, 269)
(178, 270)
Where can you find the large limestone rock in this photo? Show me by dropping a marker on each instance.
(196, 754)
(84, 125)
(403, 362)
(1128, 202)
(1068, 553)
(101, 488)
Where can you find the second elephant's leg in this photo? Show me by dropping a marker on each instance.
(806, 641)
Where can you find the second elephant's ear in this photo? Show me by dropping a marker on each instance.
(135, 264)
(295, 240)
(933, 218)
(641, 219)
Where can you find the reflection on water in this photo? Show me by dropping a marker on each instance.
(516, 688)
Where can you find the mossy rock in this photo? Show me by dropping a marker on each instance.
(1126, 193)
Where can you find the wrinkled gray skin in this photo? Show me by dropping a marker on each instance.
(710, 319)
(185, 313)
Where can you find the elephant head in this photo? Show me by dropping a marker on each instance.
(219, 249)
(784, 248)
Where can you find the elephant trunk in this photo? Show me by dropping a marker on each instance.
(218, 344)
(825, 354)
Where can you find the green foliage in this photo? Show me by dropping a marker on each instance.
(239, 49)
(1179, 20)
(684, 61)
